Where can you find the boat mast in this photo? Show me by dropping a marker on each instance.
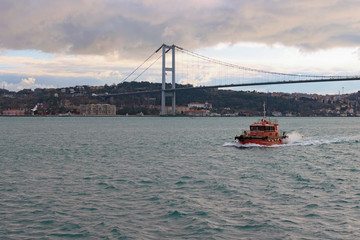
(264, 111)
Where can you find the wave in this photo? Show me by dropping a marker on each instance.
(295, 139)
(292, 138)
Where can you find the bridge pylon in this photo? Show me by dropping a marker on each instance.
(164, 94)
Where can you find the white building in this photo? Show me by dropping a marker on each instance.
(276, 114)
(196, 105)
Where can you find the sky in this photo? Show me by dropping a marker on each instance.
(47, 44)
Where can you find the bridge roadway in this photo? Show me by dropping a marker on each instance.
(334, 79)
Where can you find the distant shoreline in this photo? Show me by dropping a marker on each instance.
(177, 116)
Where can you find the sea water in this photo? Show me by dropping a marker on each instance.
(177, 178)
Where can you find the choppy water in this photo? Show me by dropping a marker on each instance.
(177, 178)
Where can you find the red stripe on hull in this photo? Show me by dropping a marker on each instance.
(266, 142)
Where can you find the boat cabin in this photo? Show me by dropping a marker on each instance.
(263, 128)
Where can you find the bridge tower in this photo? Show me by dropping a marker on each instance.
(164, 94)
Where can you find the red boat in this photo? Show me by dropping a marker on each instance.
(263, 132)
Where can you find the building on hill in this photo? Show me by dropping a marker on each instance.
(97, 110)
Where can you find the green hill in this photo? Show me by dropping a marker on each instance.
(54, 101)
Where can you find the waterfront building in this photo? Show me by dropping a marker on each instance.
(195, 105)
(197, 113)
(97, 110)
(14, 112)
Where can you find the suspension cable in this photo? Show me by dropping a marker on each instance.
(147, 68)
(142, 65)
(249, 69)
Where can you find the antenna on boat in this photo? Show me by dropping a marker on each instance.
(264, 110)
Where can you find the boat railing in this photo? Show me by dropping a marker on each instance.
(274, 121)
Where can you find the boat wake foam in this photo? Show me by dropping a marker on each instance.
(295, 139)
(325, 141)
(292, 138)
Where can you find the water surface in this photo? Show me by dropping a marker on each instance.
(177, 178)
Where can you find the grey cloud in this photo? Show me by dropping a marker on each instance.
(129, 28)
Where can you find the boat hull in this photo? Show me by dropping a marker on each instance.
(267, 141)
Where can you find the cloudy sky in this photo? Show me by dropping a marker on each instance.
(45, 43)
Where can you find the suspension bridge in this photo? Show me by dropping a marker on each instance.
(200, 72)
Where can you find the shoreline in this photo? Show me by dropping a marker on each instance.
(160, 116)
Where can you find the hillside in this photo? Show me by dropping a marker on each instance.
(62, 100)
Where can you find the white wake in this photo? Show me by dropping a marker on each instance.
(295, 139)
